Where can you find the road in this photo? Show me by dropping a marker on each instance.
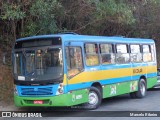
(115, 106)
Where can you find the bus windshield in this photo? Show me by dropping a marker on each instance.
(38, 64)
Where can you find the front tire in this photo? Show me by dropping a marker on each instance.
(94, 98)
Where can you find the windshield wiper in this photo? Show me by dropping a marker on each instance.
(31, 73)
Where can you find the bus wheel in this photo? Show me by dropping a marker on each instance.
(141, 90)
(94, 99)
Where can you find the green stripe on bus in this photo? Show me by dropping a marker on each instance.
(119, 88)
(151, 82)
(125, 87)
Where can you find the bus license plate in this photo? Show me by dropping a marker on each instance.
(38, 102)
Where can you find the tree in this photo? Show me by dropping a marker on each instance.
(11, 13)
(42, 17)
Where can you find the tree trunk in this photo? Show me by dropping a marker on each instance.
(14, 23)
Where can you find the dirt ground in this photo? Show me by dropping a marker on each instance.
(6, 107)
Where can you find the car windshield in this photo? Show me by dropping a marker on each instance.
(38, 64)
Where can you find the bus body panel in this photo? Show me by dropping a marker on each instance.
(115, 79)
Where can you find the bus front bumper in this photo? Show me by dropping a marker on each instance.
(68, 99)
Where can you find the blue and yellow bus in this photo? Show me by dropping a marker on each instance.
(72, 69)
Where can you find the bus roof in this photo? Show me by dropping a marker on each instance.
(89, 38)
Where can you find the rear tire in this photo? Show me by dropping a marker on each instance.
(141, 90)
(94, 99)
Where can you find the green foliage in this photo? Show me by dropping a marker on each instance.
(12, 12)
(129, 18)
(43, 17)
(99, 17)
(30, 28)
(104, 8)
(113, 11)
(125, 13)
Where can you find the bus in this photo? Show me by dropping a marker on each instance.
(71, 69)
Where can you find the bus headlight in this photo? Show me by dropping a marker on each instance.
(15, 90)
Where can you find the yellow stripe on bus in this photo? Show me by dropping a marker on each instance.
(109, 74)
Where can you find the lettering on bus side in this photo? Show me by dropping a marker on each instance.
(137, 70)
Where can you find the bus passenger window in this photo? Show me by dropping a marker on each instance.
(107, 55)
(153, 52)
(74, 61)
(91, 51)
(136, 55)
(146, 53)
(122, 55)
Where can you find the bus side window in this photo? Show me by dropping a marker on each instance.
(146, 53)
(107, 54)
(153, 52)
(122, 55)
(74, 61)
(136, 55)
(91, 51)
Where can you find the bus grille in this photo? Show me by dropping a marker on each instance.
(37, 91)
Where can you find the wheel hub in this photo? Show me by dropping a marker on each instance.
(143, 89)
(93, 98)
